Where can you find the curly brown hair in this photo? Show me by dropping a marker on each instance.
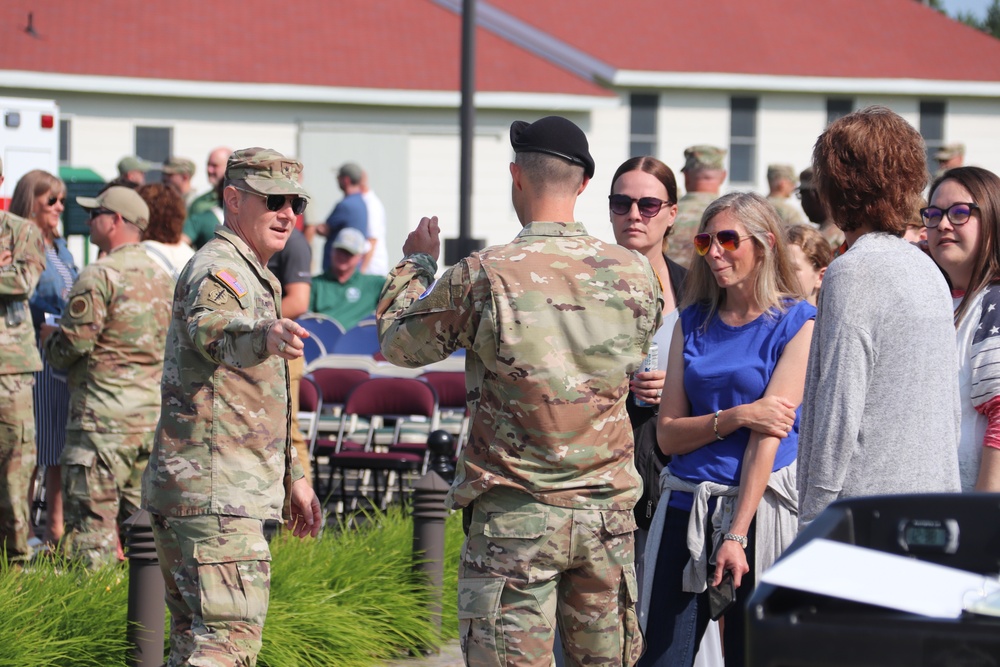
(167, 213)
(869, 166)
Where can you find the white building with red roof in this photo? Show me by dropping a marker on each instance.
(377, 84)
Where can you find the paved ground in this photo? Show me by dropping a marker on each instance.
(450, 656)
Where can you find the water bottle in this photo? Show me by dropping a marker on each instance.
(650, 363)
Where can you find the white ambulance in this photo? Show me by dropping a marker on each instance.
(29, 139)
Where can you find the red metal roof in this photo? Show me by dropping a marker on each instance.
(415, 44)
(389, 44)
(816, 38)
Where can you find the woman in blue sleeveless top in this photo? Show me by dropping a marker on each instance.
(729, 421)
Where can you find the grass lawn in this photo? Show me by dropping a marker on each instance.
(349, 598)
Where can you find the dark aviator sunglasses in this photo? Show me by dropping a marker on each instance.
(275, 203)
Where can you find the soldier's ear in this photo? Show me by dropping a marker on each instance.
(231, 197)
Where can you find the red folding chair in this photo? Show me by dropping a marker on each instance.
(452, 402)
(335, 384)
(402, 402)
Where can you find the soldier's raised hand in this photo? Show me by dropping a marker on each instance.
(426, 238)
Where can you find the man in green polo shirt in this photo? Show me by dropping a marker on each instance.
(344, 293)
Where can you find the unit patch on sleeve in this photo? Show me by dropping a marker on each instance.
(81, 308)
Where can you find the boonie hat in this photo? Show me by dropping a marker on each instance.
(126, 202)
(178, 165)
(350, 240)
(703, 156)
(132, 163)
(553, 135)
(266, 171)
(949, 152)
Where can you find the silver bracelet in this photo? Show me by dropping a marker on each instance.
(715, 425)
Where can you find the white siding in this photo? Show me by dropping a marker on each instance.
(975, 123)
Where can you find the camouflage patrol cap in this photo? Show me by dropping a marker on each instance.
(780, 171)
(553, 135)
(126, 202)
(178, 165)
(806, 179)
(950, 152)
(266, 171)
(704, 156)
(132, 163)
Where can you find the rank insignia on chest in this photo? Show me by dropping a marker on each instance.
(232, 282)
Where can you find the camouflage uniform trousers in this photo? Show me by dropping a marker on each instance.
(217, 571)
(17, 462)
(526, 564)
(296, 369)
(101, 480)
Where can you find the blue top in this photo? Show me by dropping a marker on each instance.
(350, 212)
(724, 367)
(54, 284)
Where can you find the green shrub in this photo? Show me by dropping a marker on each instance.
(349, 598)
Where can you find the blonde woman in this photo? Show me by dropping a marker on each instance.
(729, 421)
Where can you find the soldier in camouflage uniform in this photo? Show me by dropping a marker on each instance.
(22, 260)
(111, 339)
(222, 460)
(704, 172)
(781, 181)
(553, 322)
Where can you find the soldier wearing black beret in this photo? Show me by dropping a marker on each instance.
(548, 469)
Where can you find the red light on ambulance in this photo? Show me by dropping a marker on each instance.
(48, 121)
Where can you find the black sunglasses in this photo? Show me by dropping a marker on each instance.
(958, 214)
(275, 203)
(648, 206)
(97, 212)
(53, 200)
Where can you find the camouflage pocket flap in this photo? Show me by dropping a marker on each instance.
(521, 525)
(78, 456)
(232, 547)
(479, 598)
(619, 522)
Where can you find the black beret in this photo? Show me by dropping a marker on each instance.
(554, 135)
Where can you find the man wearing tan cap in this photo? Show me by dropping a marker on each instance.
(781, 182)
(948, 157)
(222, 461)
(704, 172)
(133, 169)
(111, 340)
(177, 173)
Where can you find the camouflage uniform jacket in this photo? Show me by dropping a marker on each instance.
(788, 213)
(18, 280)
(554, 322)
(223, 445)
(111, 338)
(679, 244)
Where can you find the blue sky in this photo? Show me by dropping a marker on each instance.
(977, 7)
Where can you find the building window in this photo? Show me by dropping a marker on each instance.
(642, 133)
(64, 128)
(154, 144)
(743, 140)
(932, 130)
(838, 107)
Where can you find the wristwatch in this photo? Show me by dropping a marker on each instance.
(741, 539)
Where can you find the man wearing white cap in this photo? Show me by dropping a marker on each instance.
(343, 292)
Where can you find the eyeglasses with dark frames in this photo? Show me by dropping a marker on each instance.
(52, 200)
(958, 214)
(648, 206)
(98, 212)
(275, 203)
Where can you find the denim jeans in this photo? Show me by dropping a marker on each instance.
(677, 620)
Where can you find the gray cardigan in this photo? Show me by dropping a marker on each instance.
(881, 409)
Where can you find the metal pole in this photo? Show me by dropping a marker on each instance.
(429, 514)
(457, 249)
(146, 604)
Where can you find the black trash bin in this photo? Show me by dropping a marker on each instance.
(80, 182)
(792, 628)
